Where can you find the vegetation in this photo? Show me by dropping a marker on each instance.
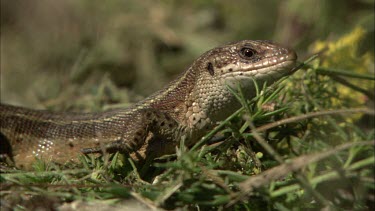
(306, 142)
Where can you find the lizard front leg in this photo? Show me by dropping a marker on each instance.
(150, 133)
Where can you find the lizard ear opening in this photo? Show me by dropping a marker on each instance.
(210, 68)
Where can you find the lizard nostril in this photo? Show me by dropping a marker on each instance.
(292, 55)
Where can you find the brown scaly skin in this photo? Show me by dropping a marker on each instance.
(187, 108)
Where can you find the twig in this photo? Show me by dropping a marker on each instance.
(314, 114)
(248, 186)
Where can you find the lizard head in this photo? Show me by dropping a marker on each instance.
(201, 95)
(240, 63)
(243, 60)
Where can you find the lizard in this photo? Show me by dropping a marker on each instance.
(188, 107)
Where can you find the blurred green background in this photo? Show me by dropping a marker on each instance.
(92, 54)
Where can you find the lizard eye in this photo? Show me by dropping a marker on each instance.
(247, 52)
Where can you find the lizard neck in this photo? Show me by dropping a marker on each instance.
(188, 99)
(195, 99)
(174, 98)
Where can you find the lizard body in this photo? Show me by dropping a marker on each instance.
(187, 108)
